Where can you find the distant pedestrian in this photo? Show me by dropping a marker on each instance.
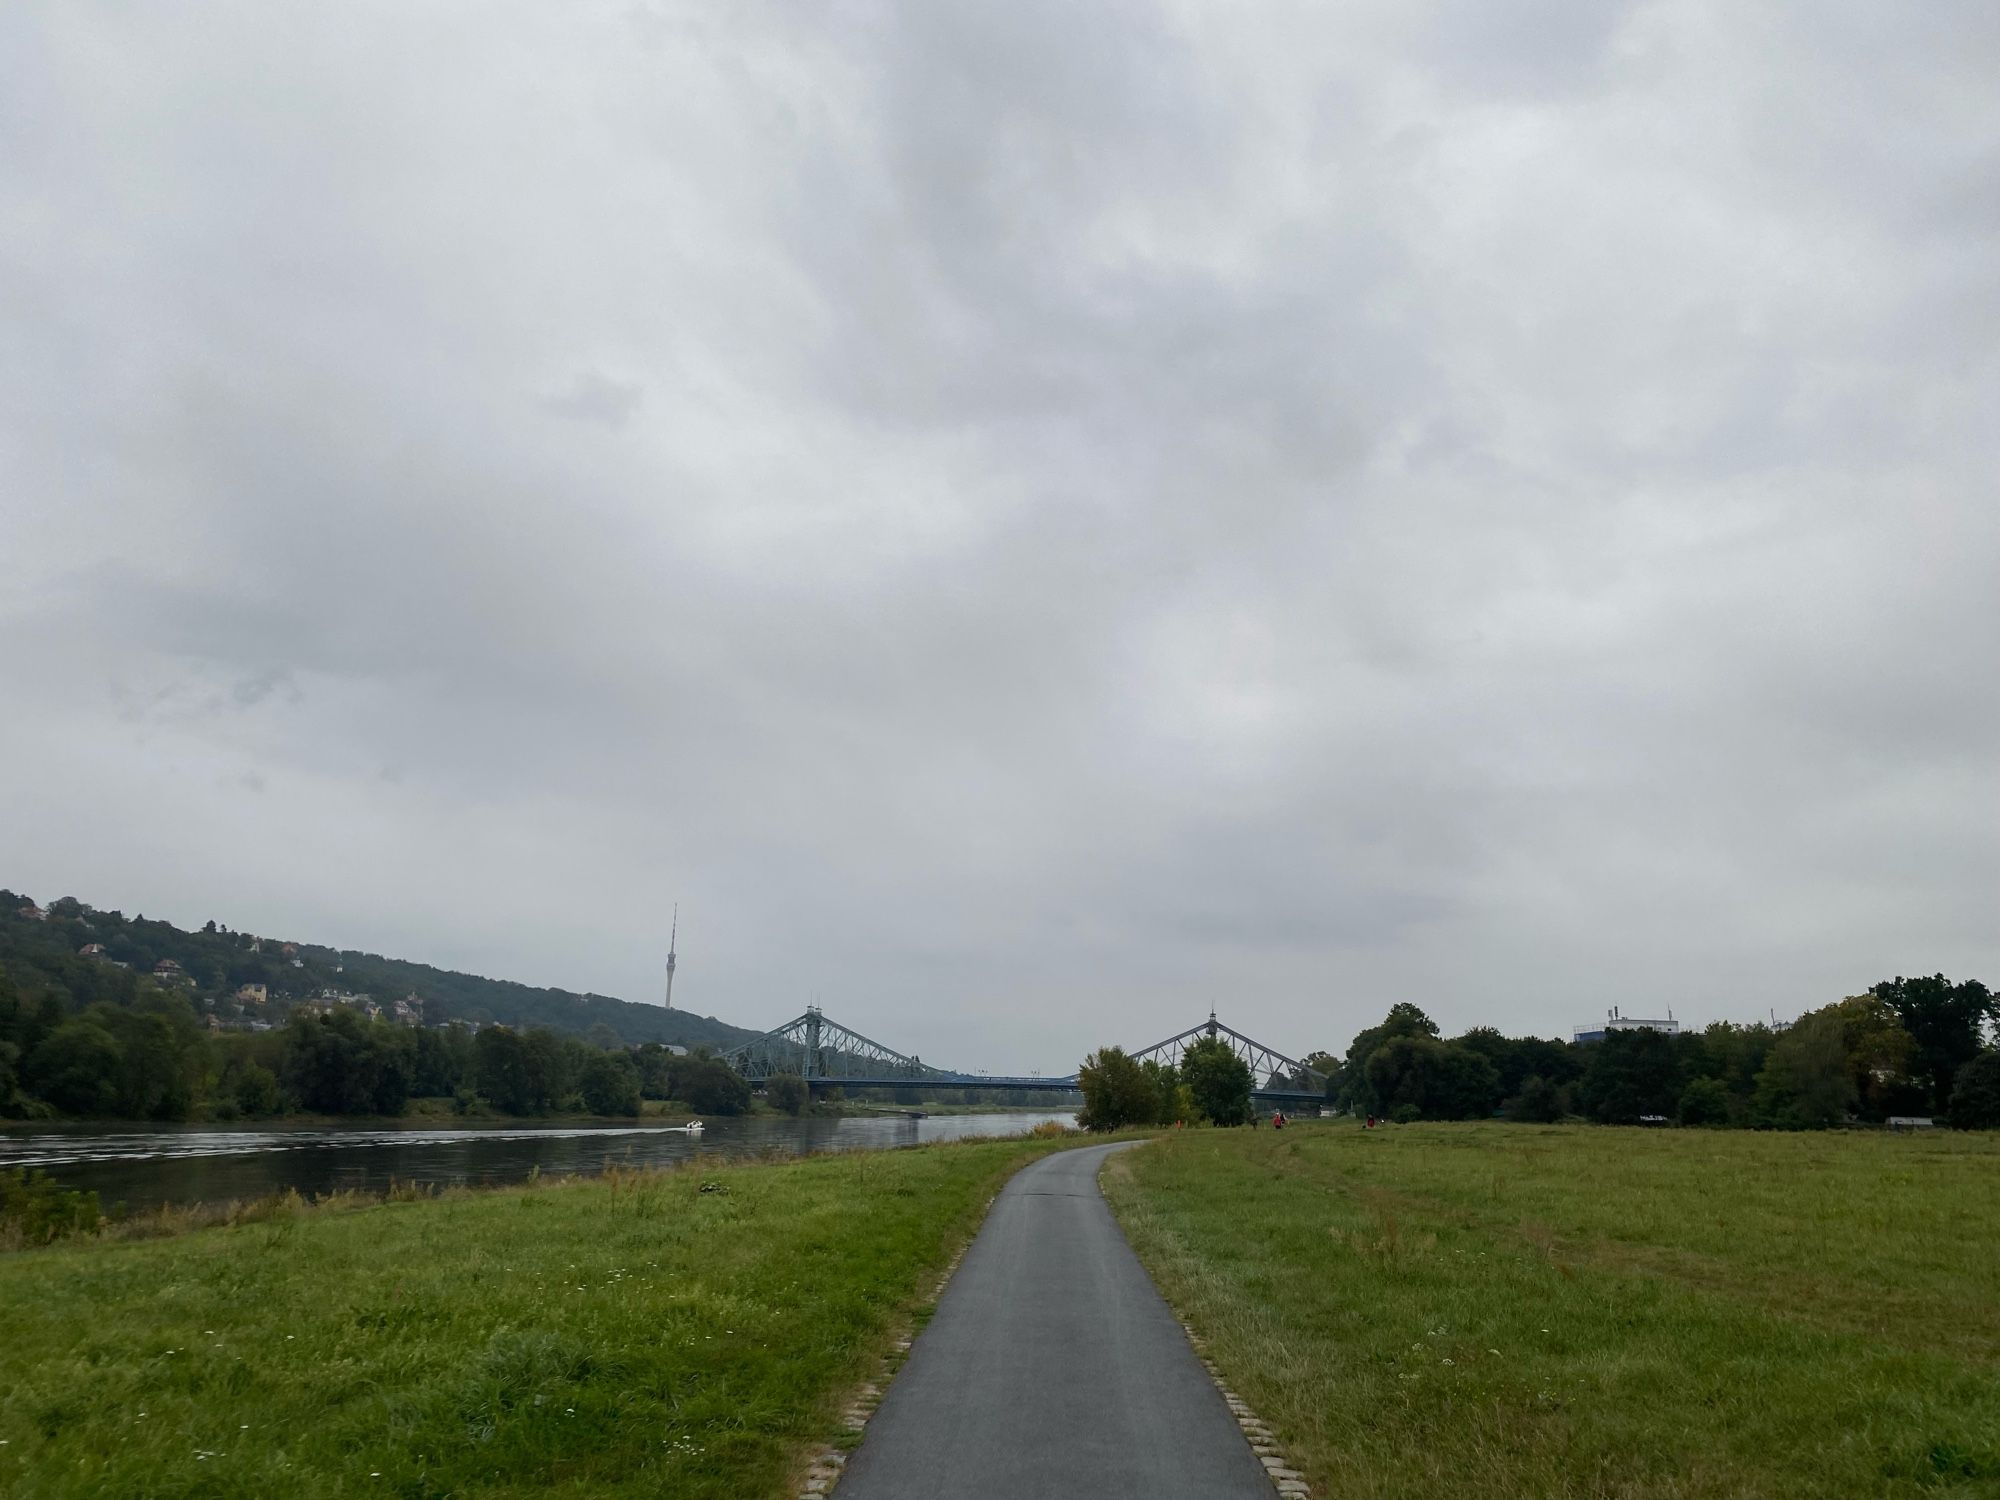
(1278, 1119)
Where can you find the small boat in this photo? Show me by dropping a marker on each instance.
(693, 1127)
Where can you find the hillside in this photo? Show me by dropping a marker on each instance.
(84, 955)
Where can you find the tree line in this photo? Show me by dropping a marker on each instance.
(153, 1059)
(1903, 1047)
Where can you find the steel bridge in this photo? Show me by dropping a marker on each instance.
(827, 1054)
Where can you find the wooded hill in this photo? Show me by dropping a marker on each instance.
(84, 955)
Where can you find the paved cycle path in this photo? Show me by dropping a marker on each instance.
(1053, 1368)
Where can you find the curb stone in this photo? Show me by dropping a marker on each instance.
(1288, 1481)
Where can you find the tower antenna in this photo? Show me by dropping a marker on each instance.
(672, 939)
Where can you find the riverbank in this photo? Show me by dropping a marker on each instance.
(687, 1332)
(1490, 1310)
(186, 1166)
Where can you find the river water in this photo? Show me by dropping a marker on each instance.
(213, 1164)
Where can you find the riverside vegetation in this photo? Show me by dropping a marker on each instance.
(1563, 1311)
(686, 1333)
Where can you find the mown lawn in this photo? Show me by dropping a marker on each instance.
(623, 1336)
(1495, 1310)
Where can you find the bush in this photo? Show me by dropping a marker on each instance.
(1705, 1102)
(1405, 1114)
(1975, 1094)
(35, 1211)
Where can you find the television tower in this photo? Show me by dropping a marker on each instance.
(672, 938)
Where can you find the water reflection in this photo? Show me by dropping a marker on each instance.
(197, 1164)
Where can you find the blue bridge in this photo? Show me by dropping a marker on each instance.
(829, 1055)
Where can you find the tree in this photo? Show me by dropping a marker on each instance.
(1351, 1089)
(1328, 1067)
(1705, 1102)
(1116, 1091)
(547, 1068)
(1945, 1021)
(13, 1104)
(1538, 1103)
(1805, 1084)
(1630, 1074)
(610, 1084)
(656, 1071)
(340, 1064)
(502, 1070)
(788, 1092)
(1975, 1094)
(1879, 1050)
(1440, 1080)
(711, 1086)
(1219, 1080)
(1171, 1099)
(255, 1090)
(76, 1068)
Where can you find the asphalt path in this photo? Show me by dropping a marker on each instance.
(1053, 1368)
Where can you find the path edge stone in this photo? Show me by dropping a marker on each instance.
(1278, 1467)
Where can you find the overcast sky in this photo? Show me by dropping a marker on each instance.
(1027, 520)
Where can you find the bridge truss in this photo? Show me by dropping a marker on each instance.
(822, 1051)
(1272, 1074)
(827, 1054)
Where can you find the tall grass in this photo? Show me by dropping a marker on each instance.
(1568, 1312)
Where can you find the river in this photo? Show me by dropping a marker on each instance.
(213, 1164)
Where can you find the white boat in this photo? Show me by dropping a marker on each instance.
(693, 1127)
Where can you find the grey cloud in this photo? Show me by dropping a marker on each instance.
(1106, 515)
(594, 397)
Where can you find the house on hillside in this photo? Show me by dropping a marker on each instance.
(409, 1012)
(91, 950)
(169, 972)
(290, 950)
(253, 994)
(33, 912)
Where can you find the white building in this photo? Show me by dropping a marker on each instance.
(1615, 1022)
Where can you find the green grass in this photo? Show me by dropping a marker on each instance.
(627, 1335)
(1494, 1310)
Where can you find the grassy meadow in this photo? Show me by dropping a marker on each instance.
(685, 1333)
(1501, 1310)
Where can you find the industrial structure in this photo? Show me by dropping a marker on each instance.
(1615, 1022)
(673, 937)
